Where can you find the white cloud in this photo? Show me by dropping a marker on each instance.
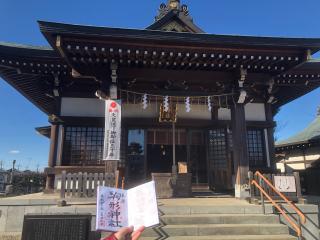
(14, 152)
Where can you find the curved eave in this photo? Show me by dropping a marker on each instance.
(14, 49)
(280, 148)
(44, 131)
(293, 144)
(299, 81)
(52, 29)
(27, 85)
(30, 71)
(287, 95)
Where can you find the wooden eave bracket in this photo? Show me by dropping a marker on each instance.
(59, 46)
(75, 73)
(243, 76)
(308, 55)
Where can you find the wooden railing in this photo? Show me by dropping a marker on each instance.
(255, 192)
(86, 184)
(301, 216)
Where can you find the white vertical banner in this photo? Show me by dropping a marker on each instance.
(112, 132)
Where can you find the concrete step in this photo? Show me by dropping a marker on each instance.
(220, 209)
(228, 237)
(219, 219)
(217, 229)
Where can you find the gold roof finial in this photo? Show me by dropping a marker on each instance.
(174, 4)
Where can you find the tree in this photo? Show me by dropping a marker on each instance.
(135, 148)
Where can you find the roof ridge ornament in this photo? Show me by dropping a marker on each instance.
(172, 5)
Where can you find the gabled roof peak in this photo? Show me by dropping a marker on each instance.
(172, 5)
(174, 17)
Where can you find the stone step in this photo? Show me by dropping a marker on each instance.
(188, 210)
(217, 229)
(228, 237)
(219, 219)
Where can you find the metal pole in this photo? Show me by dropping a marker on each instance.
(262, 199)
(174, 143)
(174, 166)
(299, 224)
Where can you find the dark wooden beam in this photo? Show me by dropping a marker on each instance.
(174, 75)
(52, 157)
(240, 150)
(270, 135)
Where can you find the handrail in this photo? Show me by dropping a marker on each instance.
(297, 210)
(293, 224)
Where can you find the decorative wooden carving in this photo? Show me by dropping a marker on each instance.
(170, 115)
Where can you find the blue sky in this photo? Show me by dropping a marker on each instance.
(18, 23)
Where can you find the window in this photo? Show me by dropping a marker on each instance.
(255, 148)
(83, 145)
(217, 148)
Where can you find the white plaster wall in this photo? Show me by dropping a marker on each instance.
(91, 107)
(280, 166)
(224, 114)
(295, 159)
(255, 112)
(82, 107)
(296, 166)
(136, 110)
(197, 112)
(313, 157)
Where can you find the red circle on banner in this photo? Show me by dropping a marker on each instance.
(113, 104)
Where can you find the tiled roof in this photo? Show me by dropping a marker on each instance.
(311, 132)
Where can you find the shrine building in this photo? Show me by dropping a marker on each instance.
(187, 96)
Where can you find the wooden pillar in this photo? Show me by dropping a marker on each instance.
(52, 157)
(270, 136)
(174, 164)
(240, 151)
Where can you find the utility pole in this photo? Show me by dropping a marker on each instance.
(1, 164)
(12, 170)
(13, 164)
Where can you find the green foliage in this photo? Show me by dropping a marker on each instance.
(135, 148)
(30, 182)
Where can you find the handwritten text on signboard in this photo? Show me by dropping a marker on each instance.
(112, 130)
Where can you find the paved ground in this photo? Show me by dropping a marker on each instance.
(202, 201)
(36, 196)
(221, 200)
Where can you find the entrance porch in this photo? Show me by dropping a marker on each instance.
(151, 151)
